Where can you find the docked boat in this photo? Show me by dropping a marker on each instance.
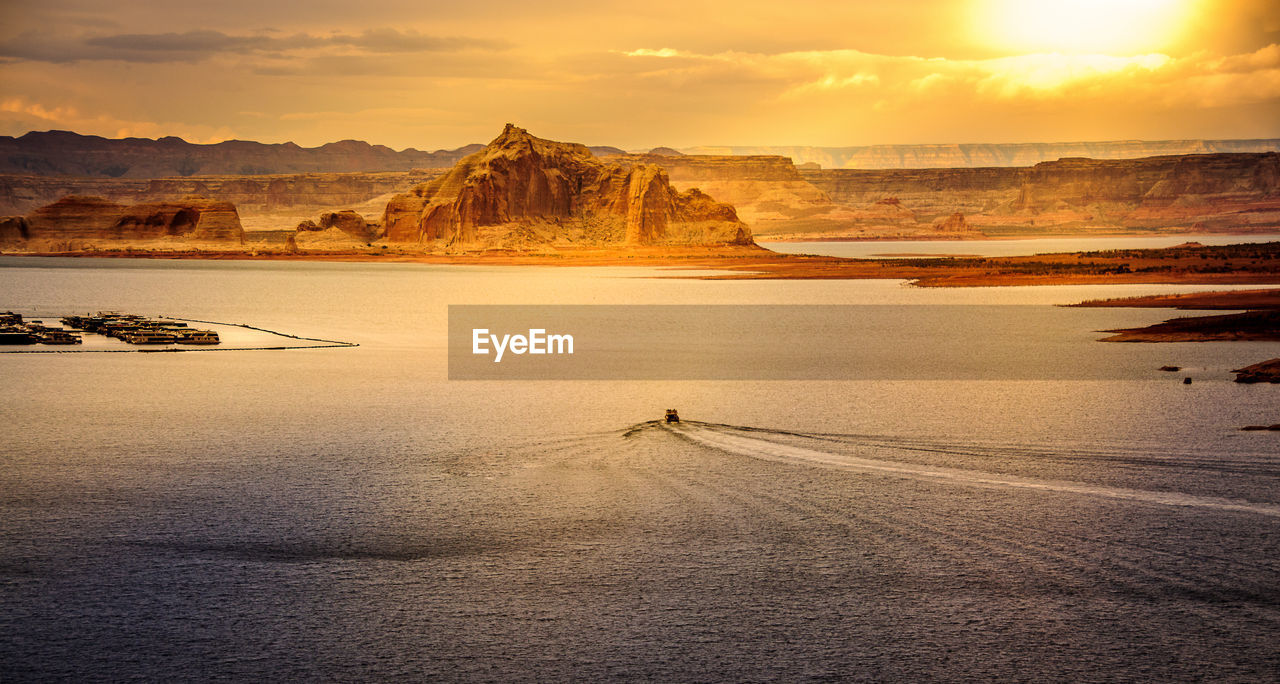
(197, 337)
(143, 336)
(11, 336)
(58, 336)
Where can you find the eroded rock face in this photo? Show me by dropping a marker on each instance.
(954, 223)
(1152, 181)
(13, 228)
(349, 222)
(556, 193)
(1208, 192)
(980, 155)
(77, 217)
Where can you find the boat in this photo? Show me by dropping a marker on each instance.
(58, 336)
(197, 337)
(16, 336)
(672, 416)
(143, 336)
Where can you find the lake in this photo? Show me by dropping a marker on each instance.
(350, 513)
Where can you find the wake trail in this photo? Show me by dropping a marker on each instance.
(744, 442)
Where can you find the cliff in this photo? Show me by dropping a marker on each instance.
(22, 194)
(88, 219)
(264, 202)
(1153, 181)
(1187, 193)
(70, 154)
(522, 191)
(766, 190)
(981, 155)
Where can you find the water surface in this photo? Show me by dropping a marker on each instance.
(352, 514)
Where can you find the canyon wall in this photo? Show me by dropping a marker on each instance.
(1213, 192)
(1204, 192)
(78, 219)
(264, 202)
(988, 155)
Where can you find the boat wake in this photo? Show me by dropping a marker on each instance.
(780, 447)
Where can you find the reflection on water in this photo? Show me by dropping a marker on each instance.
(351, 514)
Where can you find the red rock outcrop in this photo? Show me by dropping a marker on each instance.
(93, 218)
(524, 189)
(13, 228)
(954, 223)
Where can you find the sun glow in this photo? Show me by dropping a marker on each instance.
(1115, 27)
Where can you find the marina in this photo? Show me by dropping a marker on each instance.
(28, 331)
(135, 329)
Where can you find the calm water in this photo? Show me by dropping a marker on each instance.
(350, 513)
(1003, 248)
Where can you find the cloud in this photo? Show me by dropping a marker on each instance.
(1199, 80)
(195, 46)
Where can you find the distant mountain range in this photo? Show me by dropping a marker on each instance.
(63, 153)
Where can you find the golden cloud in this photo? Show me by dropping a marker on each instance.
(1198, 80)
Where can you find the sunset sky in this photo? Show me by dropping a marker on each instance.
(639, 74)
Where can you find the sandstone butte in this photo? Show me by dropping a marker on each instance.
(521, 191)
(77, 218)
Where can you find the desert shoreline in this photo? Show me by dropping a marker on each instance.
(1253, 263)
(982, 237)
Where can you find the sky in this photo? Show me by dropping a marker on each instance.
(434, 75)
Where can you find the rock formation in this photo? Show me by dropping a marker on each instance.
(336, 229)
(521, 190)
(14, 229)
(263, 202)
(954, 223)
(1206, 192)
(351, 223)
(980, 155)
(1266, 371)
(1189, 193)
(93, 218)
(765, 190)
